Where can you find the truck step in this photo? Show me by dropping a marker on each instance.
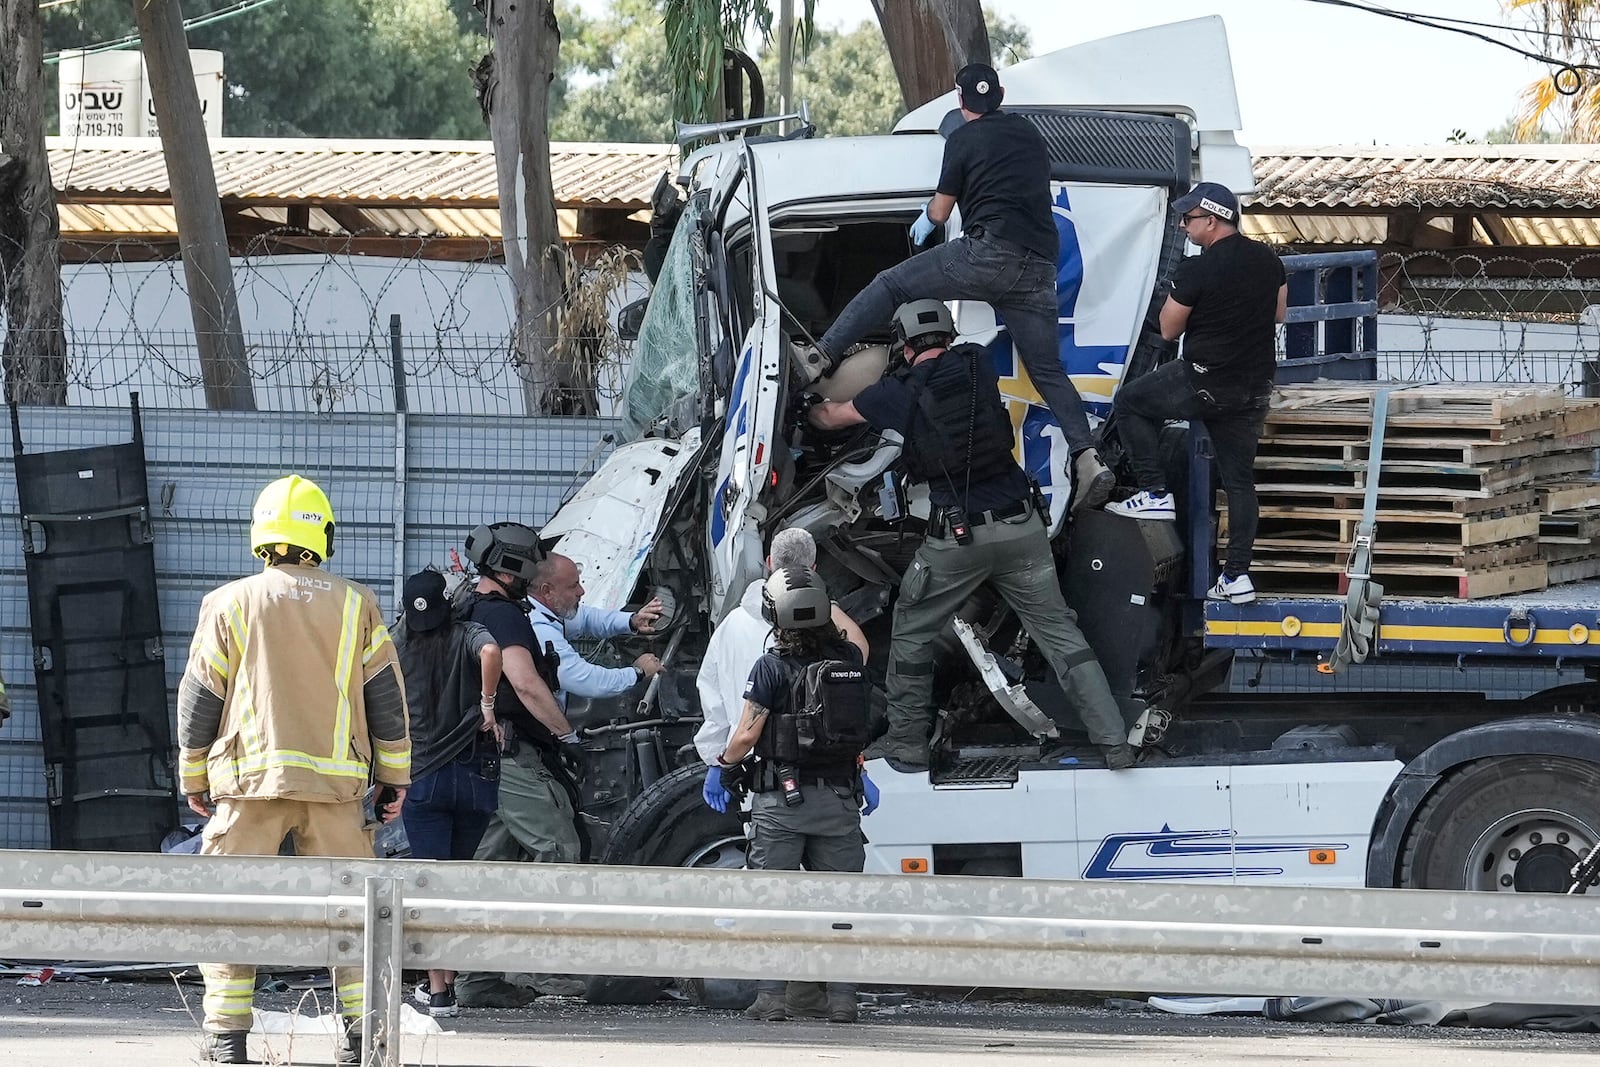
(979, 770)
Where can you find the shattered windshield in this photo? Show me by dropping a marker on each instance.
(665, 369)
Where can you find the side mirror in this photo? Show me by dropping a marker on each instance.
(630, 318)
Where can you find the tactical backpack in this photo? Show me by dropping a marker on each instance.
(828, 703)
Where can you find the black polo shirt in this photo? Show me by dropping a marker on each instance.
(1232, 289)
(998, 169)
(891, 403)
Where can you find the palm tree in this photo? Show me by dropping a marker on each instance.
(1569, 98)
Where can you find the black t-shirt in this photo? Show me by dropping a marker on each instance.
(1232, 288)
(768, 684)
(890, 403)
(998, 169)
(444, 707)
(508, 624)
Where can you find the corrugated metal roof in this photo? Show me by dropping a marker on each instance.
(1485, 177)
(454, 174)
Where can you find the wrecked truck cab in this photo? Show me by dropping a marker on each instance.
(776, 237)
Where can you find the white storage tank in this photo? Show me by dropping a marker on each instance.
(208, 82)
(101, 95)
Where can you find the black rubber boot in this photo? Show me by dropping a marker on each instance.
(228, 1047)
(806, 1000)
(768, 1007)
(1120, 757)
(842, 1003)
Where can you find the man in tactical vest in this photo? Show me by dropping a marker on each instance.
(805, 715)
(984, 525)
(536, 820)
(996, 167)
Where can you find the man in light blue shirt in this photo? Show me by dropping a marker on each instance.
(559, 615)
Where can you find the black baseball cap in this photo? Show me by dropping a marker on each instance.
(426, 605)
(1211, 198)
(979, 87)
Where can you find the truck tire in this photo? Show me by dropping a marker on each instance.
(1510, 824)
(669, 825)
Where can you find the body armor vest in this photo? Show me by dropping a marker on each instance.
(966, 433)
(822, 728)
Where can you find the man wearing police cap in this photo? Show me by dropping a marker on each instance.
(997, 168)
(1225, 303)
(984, 526)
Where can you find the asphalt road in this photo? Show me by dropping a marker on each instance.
(145, 1024)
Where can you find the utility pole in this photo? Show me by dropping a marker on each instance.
(34, 353)
(207, 268)
(785, 58)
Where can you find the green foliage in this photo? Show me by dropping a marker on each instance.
(847, 81)
(697, 31)
(400, 68)
(611, 88)
(322, 68)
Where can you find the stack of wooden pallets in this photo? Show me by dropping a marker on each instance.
(1569, 496)
(1478, 484)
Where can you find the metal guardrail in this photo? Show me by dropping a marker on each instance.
(1155, 937)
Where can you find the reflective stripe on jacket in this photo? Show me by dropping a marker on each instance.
(289, 651)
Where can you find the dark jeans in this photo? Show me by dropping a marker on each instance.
(1020, 286)
(1234, 423)
(446, 812)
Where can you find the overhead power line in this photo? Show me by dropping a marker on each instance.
(242, 7)
(1462, 26)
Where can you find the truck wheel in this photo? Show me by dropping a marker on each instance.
(1513, 824)
(669, 825)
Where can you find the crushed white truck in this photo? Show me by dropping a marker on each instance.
(1453, 759)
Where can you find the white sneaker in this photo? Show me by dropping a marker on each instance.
(1143, 505)
(1240, 590)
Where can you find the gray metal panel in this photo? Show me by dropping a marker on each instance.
(205, 469)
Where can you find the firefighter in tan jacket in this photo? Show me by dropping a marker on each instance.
(290, 708)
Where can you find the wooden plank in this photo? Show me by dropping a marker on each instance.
(1577, 570)
(1349, 501)
(1460, 531)
(1445, 428)
(1273, 578)
(1583, 524)
(1524, 579)
(1555, 465)
(1580, 416)
(1568, 496)
(1556, 552)
(1352, 443)
(1403, 556)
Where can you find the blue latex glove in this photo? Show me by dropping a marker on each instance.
(715, 796)
(922, 229)
(870, 792)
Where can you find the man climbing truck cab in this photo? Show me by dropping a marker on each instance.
(1465, 753)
